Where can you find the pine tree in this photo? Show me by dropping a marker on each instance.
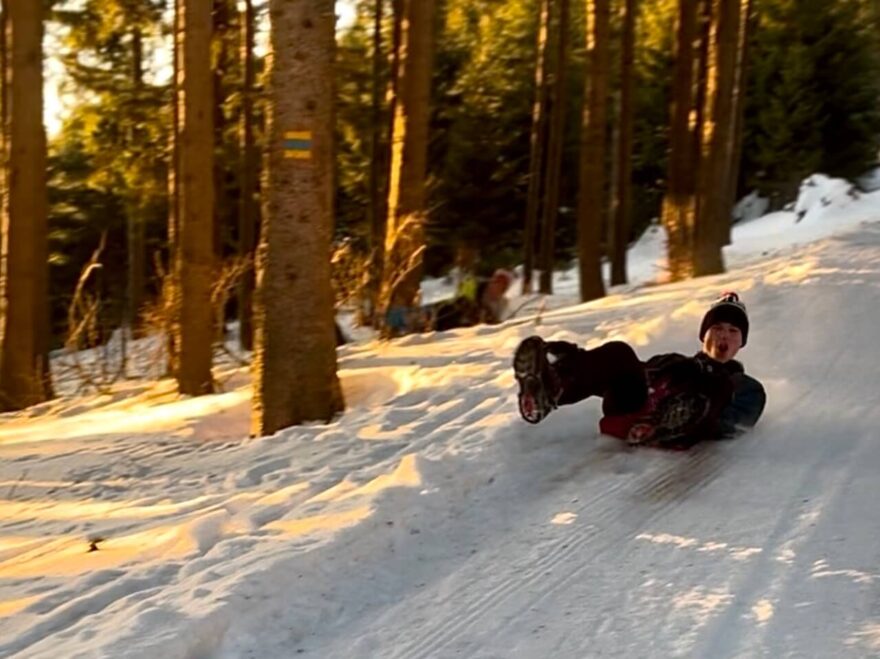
(553, 165)
(383, 98)
(717, 138)
(621, 203)
(108, 164)
(227, 76)
(480, 131)
(135, 215)
(24, 321)
(407, 207)
(194, 251)
(653, 67)
(248, 209)
(679, 202)
(740, 86)
(812, 95)
(295, 350)
(107, 45)
(378, 174)
(537, 143)
(591, 201)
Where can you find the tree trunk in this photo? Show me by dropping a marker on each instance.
(295, 343)
(377, 253)
(224, 55)
(135, 219)
(378, 173)
(739, 105)
(679, 202)
(608, 246)
(591, 197)
(247, 205)
(24, 338)
(4, 62)
(537, 143)
(713, 217)
(40, 218)
(196, 253)
(554, 151)
(699, 88)
(621, 204)
(405, 239)
(4, 151)
(171, 284)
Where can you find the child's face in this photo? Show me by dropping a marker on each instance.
(722, 341)
(499, 286)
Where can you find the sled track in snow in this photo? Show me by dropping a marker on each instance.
(663, 491)
(792, 531)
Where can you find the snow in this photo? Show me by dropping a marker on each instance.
(430, 521)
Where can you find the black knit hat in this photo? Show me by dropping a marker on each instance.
(727, 309)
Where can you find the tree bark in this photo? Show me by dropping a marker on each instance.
(377, 221)
(42, 325)
(591, 197)
(294, 363)
(621, 204)
(248, 209)
(713, 218)
(196, 253)
(378, 172)
(377, 253)
(135, 220)
(679, 202)
(224, 53)
(405, 237)
(171, 285)
(739, 106)
(700, 88)
(538, 140)
(554, 151)
(24, 331)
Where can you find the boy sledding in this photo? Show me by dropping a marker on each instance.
(670, 401)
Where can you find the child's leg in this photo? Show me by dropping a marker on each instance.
(560, 373)
(611, 371)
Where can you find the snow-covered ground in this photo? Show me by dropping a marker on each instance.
(429, 521)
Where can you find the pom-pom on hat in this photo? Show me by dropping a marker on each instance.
(727, 309)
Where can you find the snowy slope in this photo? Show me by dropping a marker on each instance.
(429, 521)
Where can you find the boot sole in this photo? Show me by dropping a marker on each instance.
(527, 367)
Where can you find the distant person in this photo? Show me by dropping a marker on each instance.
(467, 287)
(476, 302)
(670, 401)
(493, 297)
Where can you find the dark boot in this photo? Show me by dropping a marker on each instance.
(539, 387)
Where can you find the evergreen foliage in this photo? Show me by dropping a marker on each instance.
(812, 105)
(81, 212)
(814, 99)
(483, 128)
(109, 159)
(653, 67)
(353, 97)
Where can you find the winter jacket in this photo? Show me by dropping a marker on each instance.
(746, 407)
(689, 399)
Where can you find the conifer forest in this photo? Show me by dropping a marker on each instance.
(174, 167)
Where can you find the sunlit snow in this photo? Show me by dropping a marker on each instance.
(430, 521)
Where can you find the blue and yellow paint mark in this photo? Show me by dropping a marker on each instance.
(298, 144)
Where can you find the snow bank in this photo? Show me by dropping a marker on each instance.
(429, 521)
